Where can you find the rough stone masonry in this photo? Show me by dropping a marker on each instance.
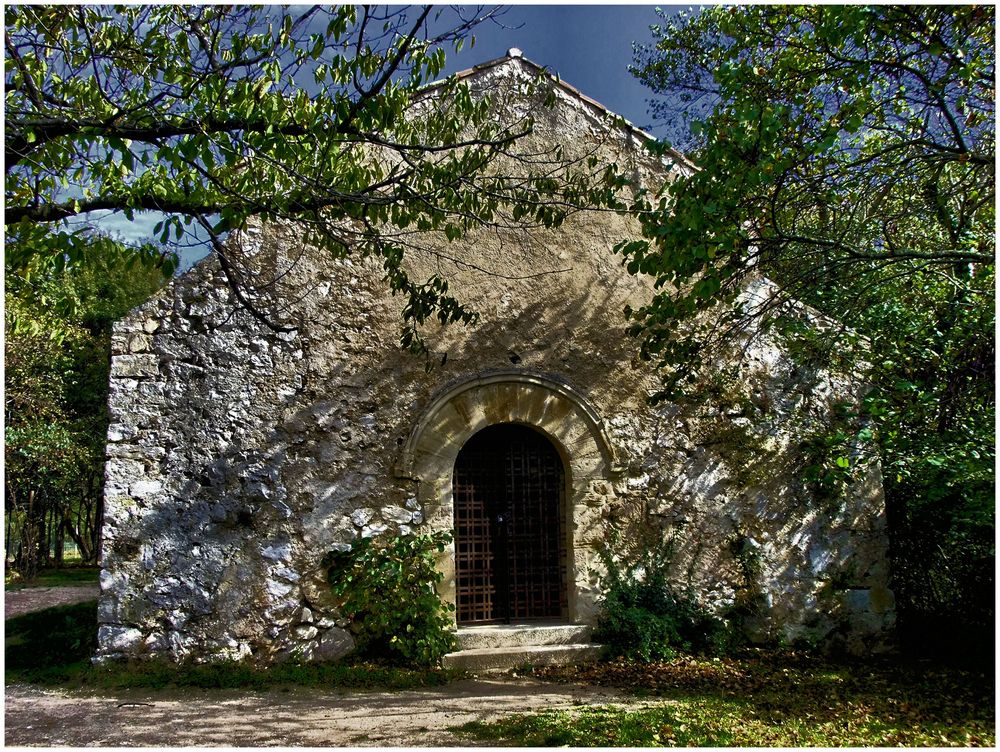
(238, 457)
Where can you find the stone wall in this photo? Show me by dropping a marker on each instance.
(238, 457)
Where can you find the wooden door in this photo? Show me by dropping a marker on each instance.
(509, 542)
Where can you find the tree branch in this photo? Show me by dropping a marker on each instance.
(234, 284)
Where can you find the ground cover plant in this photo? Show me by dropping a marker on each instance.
(763, 698)
(53, 647)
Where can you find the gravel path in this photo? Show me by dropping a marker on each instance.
(301, 717)
(17, 602)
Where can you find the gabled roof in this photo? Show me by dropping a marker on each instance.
(515, 54)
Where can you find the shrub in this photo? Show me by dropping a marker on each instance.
(644, 617)
(386, 587)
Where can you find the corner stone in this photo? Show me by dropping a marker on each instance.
(119, 639)
(335, 644)
(134, 366)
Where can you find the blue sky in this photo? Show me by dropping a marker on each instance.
(589, 46)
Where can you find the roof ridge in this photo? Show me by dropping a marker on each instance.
(515, 54)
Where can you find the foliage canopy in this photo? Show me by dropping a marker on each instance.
(213, 114)
(57, 353)
(847, 153)
(834, 143)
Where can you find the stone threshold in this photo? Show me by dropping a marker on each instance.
(501, 647)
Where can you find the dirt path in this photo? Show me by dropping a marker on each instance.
(17, 602)
(230, 718)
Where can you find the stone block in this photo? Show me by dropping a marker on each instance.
(334, 644)
(121, 388)
(152, 391)
(316, 590)
(284, 609)
(440, 516)
(123, 470)
(305, 632)
(134, 366)
(588, 525)
(139, 343)
(277, 552)
(145, 488)
(118, 639)
(361, 517)
(397, 514)
(287, 574)
(121, 431)
(277, 589)
(114, 583)
(108, 611)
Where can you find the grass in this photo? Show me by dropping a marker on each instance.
(61, 577)
(53, 648)
(50, 642)
(762, 700)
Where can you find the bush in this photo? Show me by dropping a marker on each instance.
(643, 617)
(386, 587)
(943, 577)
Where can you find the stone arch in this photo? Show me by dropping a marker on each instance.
(552, 407)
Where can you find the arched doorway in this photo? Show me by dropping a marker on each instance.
(562, 414)
(510, 543)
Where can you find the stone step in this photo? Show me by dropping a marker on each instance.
(520, 635)
(505, 659)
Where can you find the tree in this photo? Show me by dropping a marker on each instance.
(933, 400)
(323, 115)
(832, 141)
(847, 152)
(57, 359)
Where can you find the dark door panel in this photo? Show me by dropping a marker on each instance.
(509, 552)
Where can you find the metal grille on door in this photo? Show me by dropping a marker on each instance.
(509, 543)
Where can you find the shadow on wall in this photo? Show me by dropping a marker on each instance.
(796, 566)
(279, 448)
(272, 459)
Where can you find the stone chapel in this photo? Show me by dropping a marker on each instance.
(238, 456)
